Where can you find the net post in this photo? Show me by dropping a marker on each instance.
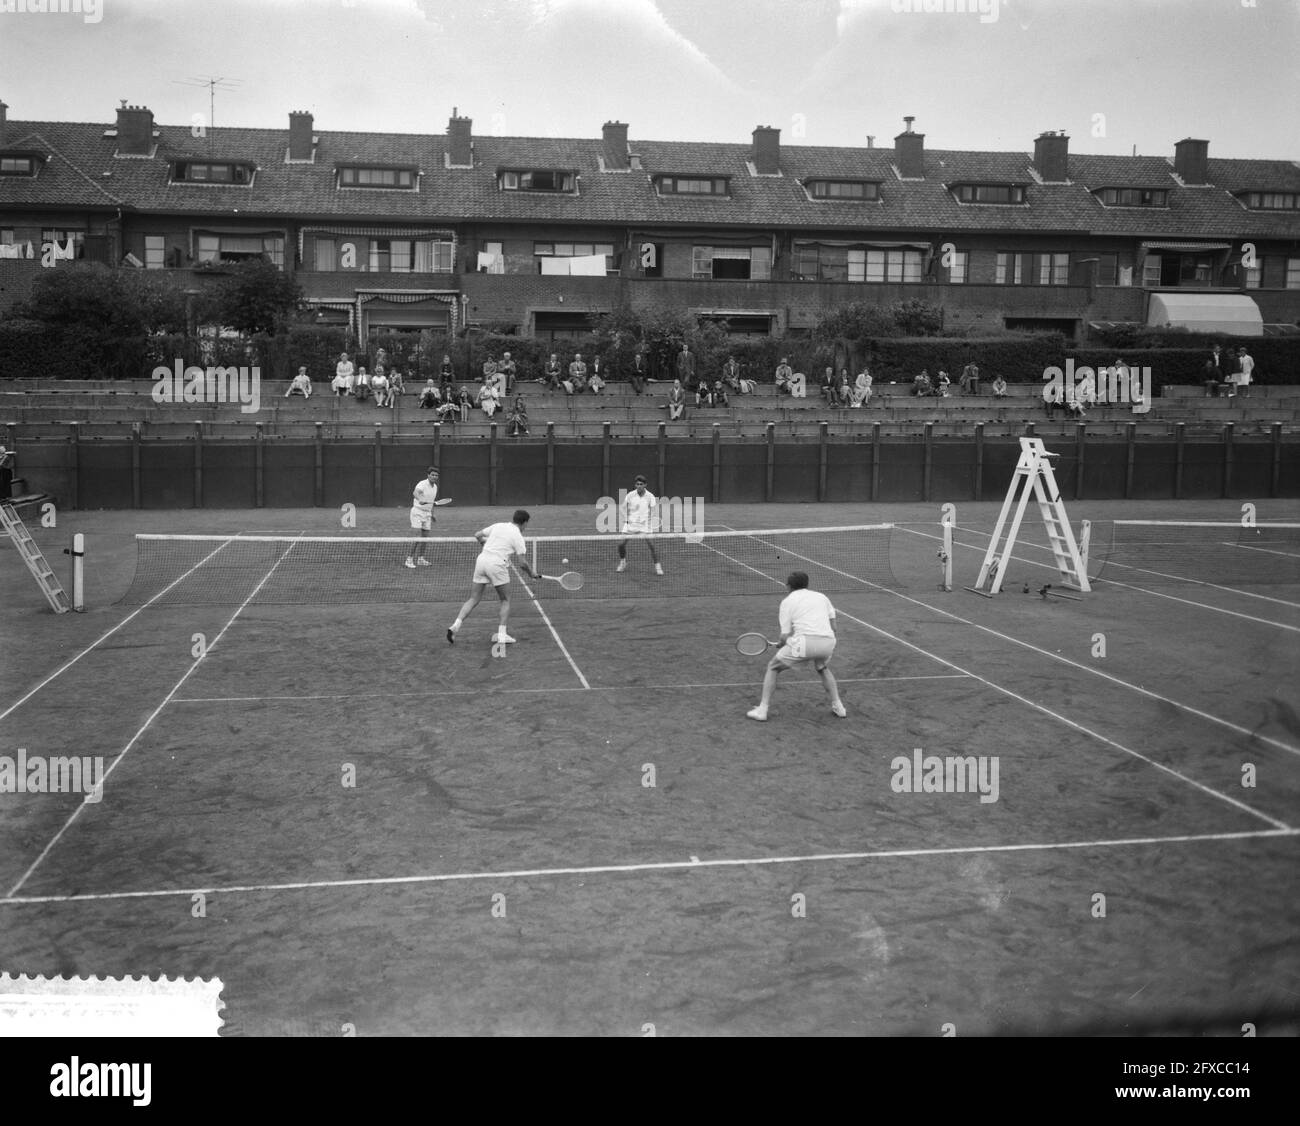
(550, 464)
(717, 461)
(605, 428)
(823, 430)
(947, 553)
(1080, 445)
(492, 463)
(1029, 430)
(1275, 479)
(875, 461)
(135, 465)
(259, 467)
(74, 441)
(770, 483)
(198, 465)
(1085, 540)
(1180, 452)
(927, 464)
(318, 485)
(78, 577)
(377, 461)
(1228, 432)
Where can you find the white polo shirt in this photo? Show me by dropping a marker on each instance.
(504, 540)
(808, 613)
(638, 511)
(424, 496)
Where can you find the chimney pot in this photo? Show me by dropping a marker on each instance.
(460, 140)
(1192, 161)
(614, 134)
(767, 150)
(1052, 157)
(300, 135)
(909, 153)
(134, 130)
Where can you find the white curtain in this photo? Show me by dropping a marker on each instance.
(589, 265)
(557, 265)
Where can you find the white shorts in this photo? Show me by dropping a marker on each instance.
(634, 530)
(421, 520)
(491, 569)
(805, 647)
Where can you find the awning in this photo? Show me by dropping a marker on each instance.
(1230, 313)
(382, 232)
(873, 244)
(1187, 247)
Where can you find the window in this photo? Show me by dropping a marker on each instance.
(406, 256)
(1151, 269)
(1032, 269)
(1251, 276)
(1134, 197)
(357, 177)
(895, 265)
(220, 249)
(62, 237)
(1053, 269)
(575, 250)
(830, 263)
(1273, 201)
(155, 252)
(990, 193)
(17, 166)
(1293, 273)
(207, 172)
(6, 236)
(730, 263)
(957, 271)
(539, 180)
(843, 189)
(694, 185)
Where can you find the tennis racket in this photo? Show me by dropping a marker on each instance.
(570, 580)
(752, 644)
(442, 500)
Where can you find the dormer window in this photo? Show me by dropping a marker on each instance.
(20, 164)
(1272, 201)
(989, 193)
(1134, 197)
(694, 185)
(539, 180)
(362, 176)
(843, 189)
(211, 172)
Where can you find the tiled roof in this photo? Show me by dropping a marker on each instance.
(84, 172)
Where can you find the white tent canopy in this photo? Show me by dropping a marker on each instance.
(1231, 313)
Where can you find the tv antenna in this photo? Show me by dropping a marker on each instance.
(213, 83)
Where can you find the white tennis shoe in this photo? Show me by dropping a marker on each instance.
(423, 562)
(622, 565)
(410, 563)
(759, 713)
(659, 568)
(503, 638)
(839, 710)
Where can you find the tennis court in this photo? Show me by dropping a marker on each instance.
(586, 836)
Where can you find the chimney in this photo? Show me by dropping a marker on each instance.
(134, 130)
(1052, 157)
(460, 143)
(1192, 161)
(615, 134)
(909, 153)
(4, 125)
(300, 135)
(871, 140)
(767, 150)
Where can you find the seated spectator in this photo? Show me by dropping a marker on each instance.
(361, 392)
(552, 373)
(1086, 392)
(345, 376)
(339, 385)
(518, 417)
(828, 386)
(921, 385)
(446, 375)
(1051, 399)
(1074, 405)
(489, 399)
(784, 377)
(943, 387)
(970, 380)
(676, 401)
(576, 384)
(862, 388)
(396, 386)
(449, 410)
(379, 385)
(597, 382)
(844, 389)
(703, 394)
(999, 388)
(301, 385)
(508, 370)
(731, 374)
(464, 402)
(640, 371)
(720, 396)
(490, 369)
(430, 396)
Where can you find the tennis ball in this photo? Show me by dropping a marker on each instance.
(564, 561)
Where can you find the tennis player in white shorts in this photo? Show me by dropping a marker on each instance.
(492, 568)
(638, 520)
(422, 498)
(807, 634)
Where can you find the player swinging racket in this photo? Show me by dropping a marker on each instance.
(638, 519)
(426, 492)
(807, 634)
(492, 568)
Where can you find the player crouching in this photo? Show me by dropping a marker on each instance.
(807, 634)
(638, 519)
(492, 568)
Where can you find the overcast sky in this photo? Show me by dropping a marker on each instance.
(1114, 74)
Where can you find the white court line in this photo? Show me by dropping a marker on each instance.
(152, 716)
(1129, 586)
(1265, 550)
(572, 663)
(599, 688)
(652, 866)
(140, 609)
(1024, 699)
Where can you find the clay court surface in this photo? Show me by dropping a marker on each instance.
(501, 865)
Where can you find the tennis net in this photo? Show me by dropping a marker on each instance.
(312, 570)
(1168, 551)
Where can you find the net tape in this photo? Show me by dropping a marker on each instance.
(1159, 552)
(322, 570)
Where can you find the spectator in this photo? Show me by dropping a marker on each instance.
(676, 401)
(828, 385)
(508, 370)
(518, 417)
(396, 386)
(784, 377)
(490, 369)
(430, 396)
(464, 402)
(597, 383)
(345, 376)
(999, 388)
(379, 385)
(362, 389)
(720, 396)
(449, 410)
(844, 389)
(1051, 399)
(489, 399)
(1074, 403)
(921, 385)
(943, 388)
(577, 381)
(300, 385)
(731, 374)
(686, 366)
(703, 394)
(970, 380)
(1245, 369)
(640, 371)
(446, 373)
(862, 388)
(1214, 379)
(552, 373)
